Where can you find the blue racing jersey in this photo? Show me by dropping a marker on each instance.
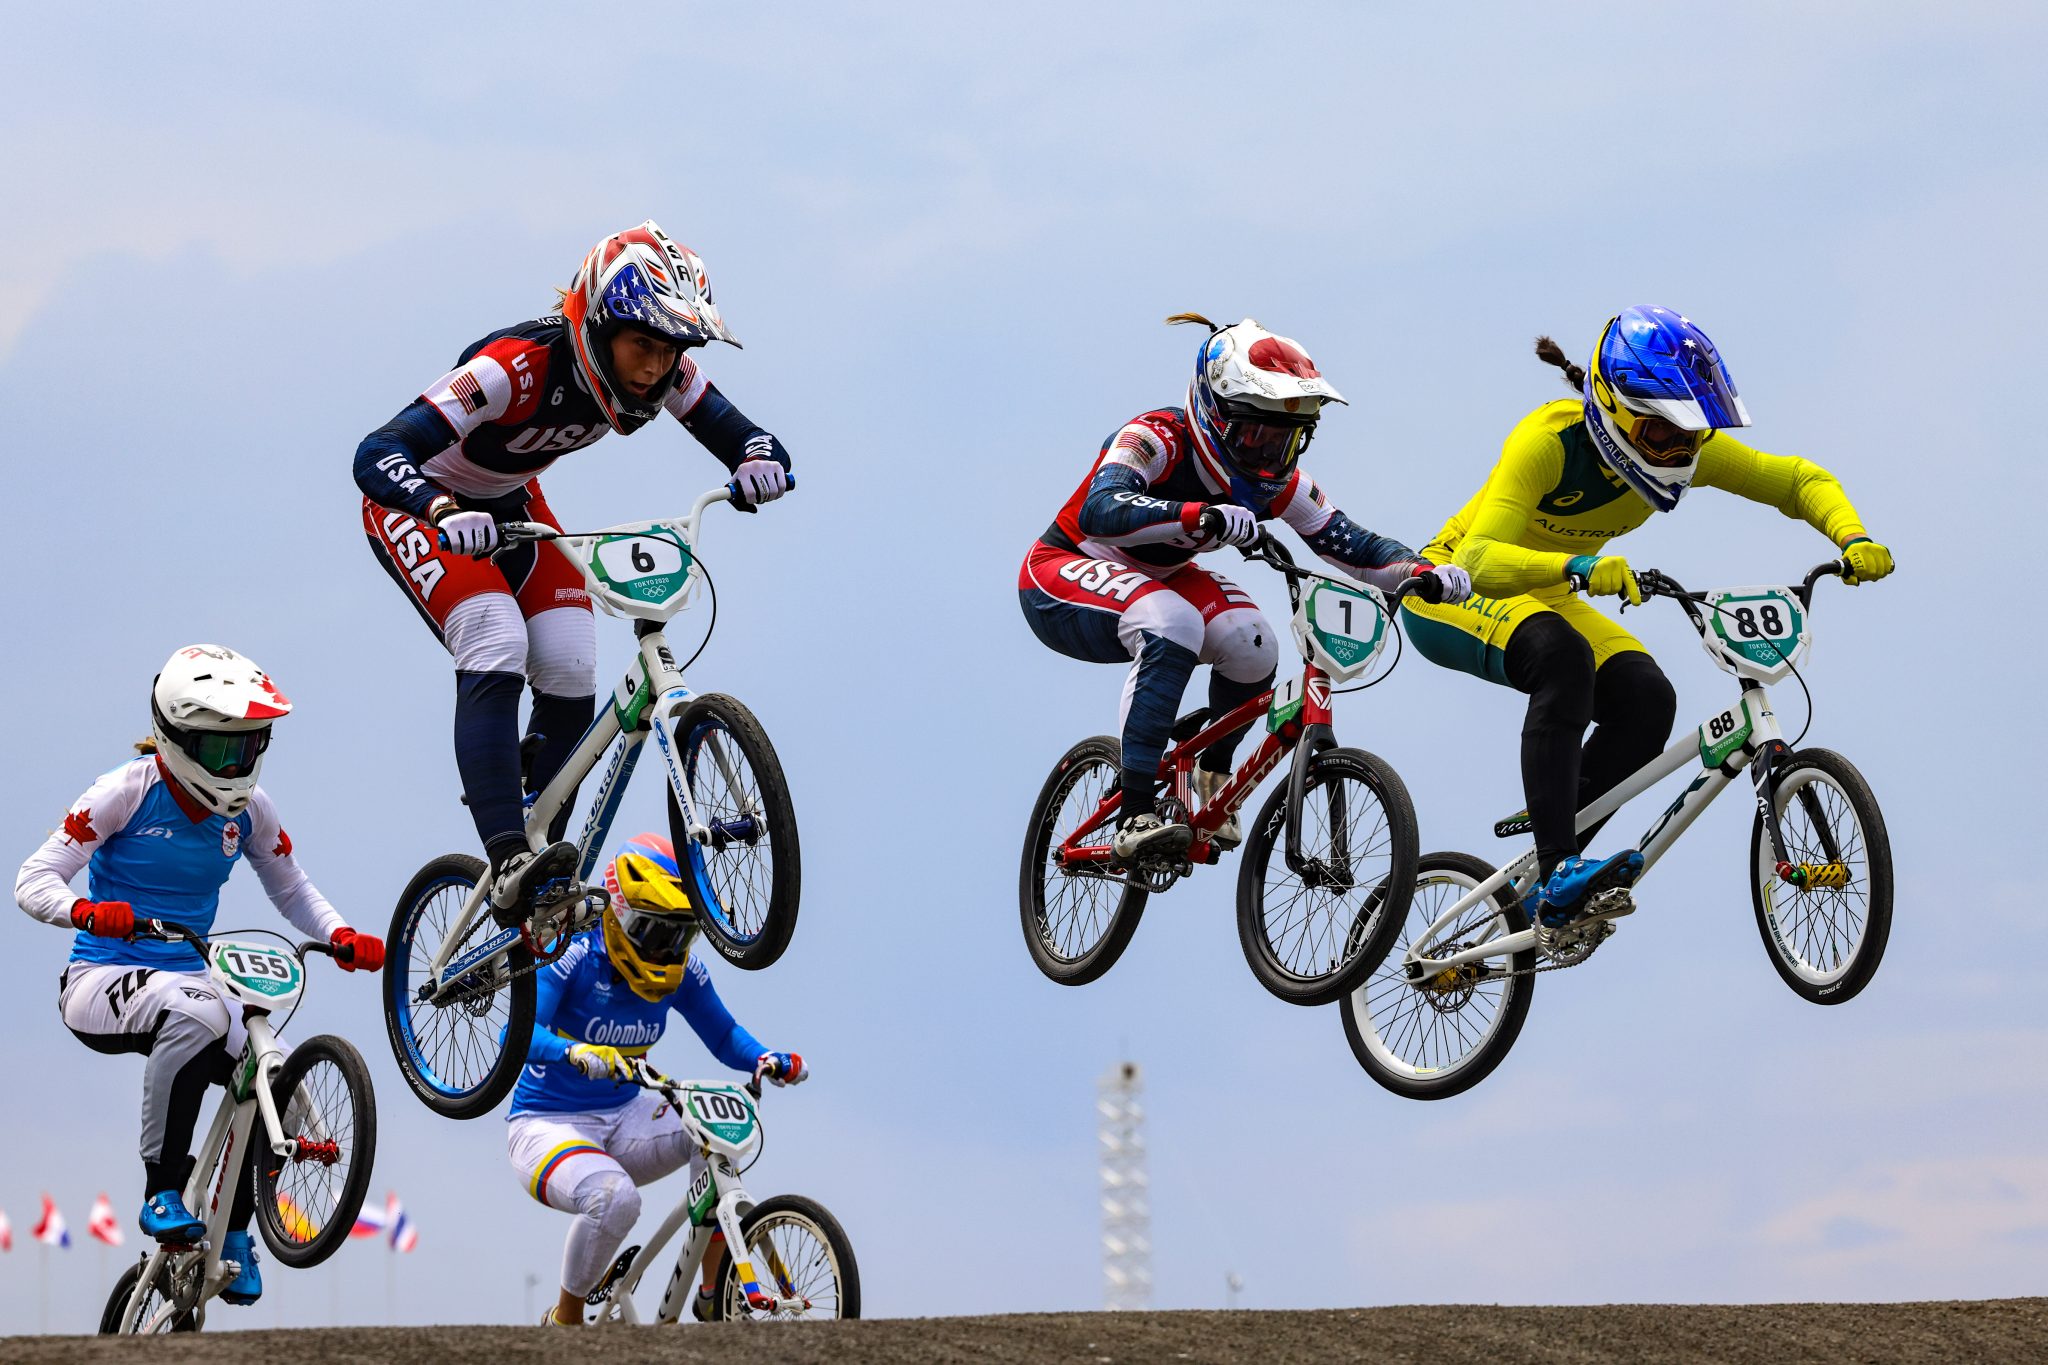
(580, 998)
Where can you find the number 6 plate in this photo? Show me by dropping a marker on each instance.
(1756, 633)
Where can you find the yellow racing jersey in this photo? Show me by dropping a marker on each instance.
(1550, 497)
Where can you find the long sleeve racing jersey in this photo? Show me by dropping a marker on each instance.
(1142, 501)
(579, 998)
(145, 841)
(513, 405)
(1550, 497)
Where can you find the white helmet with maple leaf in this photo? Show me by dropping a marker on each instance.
(210, 714)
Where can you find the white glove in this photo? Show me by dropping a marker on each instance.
(1457, 583)
(469, 533)
(761, 481)
(1231, 524)
(781, 1068)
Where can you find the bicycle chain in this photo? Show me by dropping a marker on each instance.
(576, 925)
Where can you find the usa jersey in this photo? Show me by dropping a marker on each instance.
(143, 840)
(1142, 500)
(514, 404)
(580, 998)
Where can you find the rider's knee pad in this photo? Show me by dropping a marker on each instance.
(486, 634)
(1632, 694)
(561, 653)
(1240, 646)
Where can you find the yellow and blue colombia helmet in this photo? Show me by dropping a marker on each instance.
(1655, 391)
(652, 921)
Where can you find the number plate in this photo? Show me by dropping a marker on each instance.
(726, 1113)
(1287, 698)
(253, 971)
(1756, 632)
(1341, 630)
(1724, 734)
(650, 566)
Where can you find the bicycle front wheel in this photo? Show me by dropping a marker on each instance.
(158, 1310)
(307, 1203)
(1440, 1036)
(462, 1051)
(1076, 923)
(797, 1250)
(1313, 933)
(746, 869)
(1826, 928)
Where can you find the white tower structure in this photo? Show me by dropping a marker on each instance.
(1126, 1195)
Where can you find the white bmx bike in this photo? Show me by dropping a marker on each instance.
(459, 989)
(794, 1262)
(311, 1111)
(1442, 1010)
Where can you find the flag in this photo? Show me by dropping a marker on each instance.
(50, 1231)
(102, 1223)
(299, 1227)
(6, 1233)
(369, 1222)
(404, 1236)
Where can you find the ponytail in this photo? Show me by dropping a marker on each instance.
(1178, 318)
(1550, 353)
(146, 745)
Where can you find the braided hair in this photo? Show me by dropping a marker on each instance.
(1178, 318)
(1550, 353)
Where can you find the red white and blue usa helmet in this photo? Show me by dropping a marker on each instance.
(639, 278)
(1253, 406)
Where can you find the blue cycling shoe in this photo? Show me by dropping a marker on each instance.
(166, 1219)
(1562, 899)
(247, 1286)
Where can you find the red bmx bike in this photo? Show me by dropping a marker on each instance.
(1329, 863)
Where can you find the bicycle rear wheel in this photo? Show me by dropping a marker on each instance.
(1432, 1039)
(1076, 924)
(462, 1052)
(1827, 935)
(158, 1310)
(797, 1250)
(747, 875)
(1313, 935)
(307, 1203)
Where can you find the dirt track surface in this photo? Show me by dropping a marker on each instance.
(1994, 1330)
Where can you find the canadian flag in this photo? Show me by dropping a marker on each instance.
(102, 1224)
(50, 1230)
(6, 1233)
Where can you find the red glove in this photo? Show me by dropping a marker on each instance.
(108, 919)
(357, 952)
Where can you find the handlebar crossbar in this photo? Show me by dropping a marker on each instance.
(514, 533)
(1270, 551)
(166, 931)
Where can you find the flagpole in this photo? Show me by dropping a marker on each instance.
(390, 1286)
(42, 1288)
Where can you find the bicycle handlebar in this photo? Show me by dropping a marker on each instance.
(1655, 583)
(165, 931)
(512, 534)
(647, 1078)
(1271, 552)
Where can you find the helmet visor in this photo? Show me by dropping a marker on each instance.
(224, 753)
(663, 939)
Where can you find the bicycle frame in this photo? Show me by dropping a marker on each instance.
(1744, 736)
(716, 1203)
(233, 1123)
(648, 701)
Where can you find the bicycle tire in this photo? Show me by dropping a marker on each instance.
(124, 1287)
(1462, 872)
(1844, 981)
(750, 938)
(1337, 937)
(285, 1225)
(1037, 873)
(454, 1096)
(798, 1210)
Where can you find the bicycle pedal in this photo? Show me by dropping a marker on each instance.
(1610, 904)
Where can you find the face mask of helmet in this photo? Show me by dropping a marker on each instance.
(1262, 444)
(224, 753)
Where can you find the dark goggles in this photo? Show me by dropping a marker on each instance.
(1265, 445)
(224, 753)
(1665, 444)
(662, 939)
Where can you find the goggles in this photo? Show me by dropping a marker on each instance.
(224, 753)
(663, 938)
(1664, 444)
(1262, 447)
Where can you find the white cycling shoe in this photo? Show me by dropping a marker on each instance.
(1147, 837)
(1230, 833)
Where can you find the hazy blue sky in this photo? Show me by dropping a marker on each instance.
(235, 239)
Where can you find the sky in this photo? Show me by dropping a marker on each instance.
(238, 238)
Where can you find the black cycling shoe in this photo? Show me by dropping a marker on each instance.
(516, 881)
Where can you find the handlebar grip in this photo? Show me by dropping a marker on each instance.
(754, 1087)
(1426, 586)
(327, 949)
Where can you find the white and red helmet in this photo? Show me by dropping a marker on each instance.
(1253, 405)
(638, 278)
(210, 714)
